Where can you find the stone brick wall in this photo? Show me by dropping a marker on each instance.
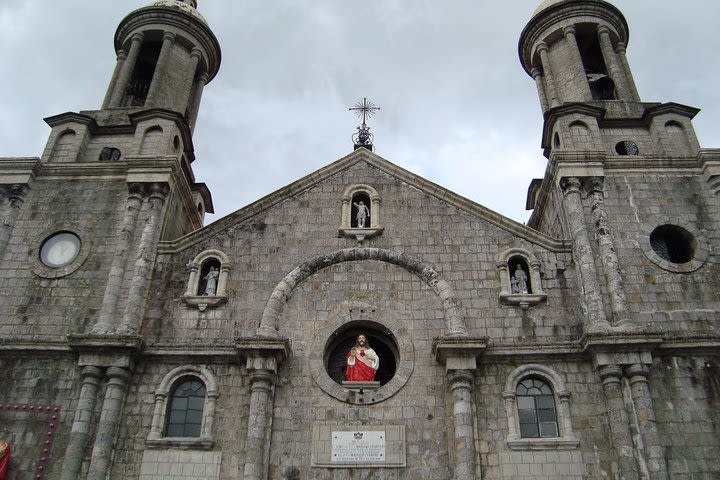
(48, 309)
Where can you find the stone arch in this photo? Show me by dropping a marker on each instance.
(454, 315)
(152, 141)
(64, 146)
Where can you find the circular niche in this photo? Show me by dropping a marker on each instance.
(396, 361)
(675, 248)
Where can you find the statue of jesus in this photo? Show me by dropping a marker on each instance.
(362, 362)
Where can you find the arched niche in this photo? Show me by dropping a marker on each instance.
(520, 281)
(360, 212)
(207, 281)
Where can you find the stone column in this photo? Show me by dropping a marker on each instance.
(608, 257)
(461, 385)
(106, 321)
(108, 423)
(192, 288)
(137, 294)
(126, 71)
(618, 422)
(579, 66)
(80, 430)
(375, 212)
(536, 279)
(200, 82)
(620, 49)
(15, 195)
(160, 68)
(121, 57)
(550, 90)
(583, 254)
(261, 391)
(640, 391)
(611, 62)
(537, 76)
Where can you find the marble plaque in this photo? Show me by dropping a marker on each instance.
(360, 446)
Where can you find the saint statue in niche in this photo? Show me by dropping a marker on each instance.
(362, 362)
(211, 281)
(519, 281)
(362, 213)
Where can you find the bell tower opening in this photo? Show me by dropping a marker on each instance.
(601, 84)
(139, 86)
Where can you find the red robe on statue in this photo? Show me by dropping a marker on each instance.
(4, 459)
(361, 368)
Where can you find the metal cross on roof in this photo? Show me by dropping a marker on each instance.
(364, 109)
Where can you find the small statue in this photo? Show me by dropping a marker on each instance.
(362, 213)
(211, 281)
(519, 280)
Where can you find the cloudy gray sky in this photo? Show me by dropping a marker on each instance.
(457, 107)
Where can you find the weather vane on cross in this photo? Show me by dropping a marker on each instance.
(364, 109)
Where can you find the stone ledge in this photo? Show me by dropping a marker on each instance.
(544, 444)
(204, 301)
(523, 300)
(181, 443)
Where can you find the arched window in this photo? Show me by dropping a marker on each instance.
(360, 213)
(538, 409)
(185, 408)
(520, 281)
(208, 279)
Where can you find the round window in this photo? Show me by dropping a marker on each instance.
(673, 243)
(60, 249)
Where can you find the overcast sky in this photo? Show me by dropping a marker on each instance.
(457, 108)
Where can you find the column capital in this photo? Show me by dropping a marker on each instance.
(570, 185)
(460, 379)
(137, 37)
(121, 55)
(542, 46)
(90, 372)
(637, 372)
(610, 373)
(569, 30)
(159, 191)
(117, 375)
(603, 30)
(169, 36)
(536, 72)
(620, 48)
(196, 53)
(262, 380)
(595, 184)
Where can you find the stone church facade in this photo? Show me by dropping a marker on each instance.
(138, 344)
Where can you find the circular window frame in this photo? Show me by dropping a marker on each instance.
(404, 362)
(41, 269)
(700, 254)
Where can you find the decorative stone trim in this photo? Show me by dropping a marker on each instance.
(360, 232)
(157, 438)
(53, 413)
(42, 270)
(567, 439)
(192, 297)
(700, 254)
(523, 300)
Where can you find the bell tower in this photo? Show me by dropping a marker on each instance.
(166, 54)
